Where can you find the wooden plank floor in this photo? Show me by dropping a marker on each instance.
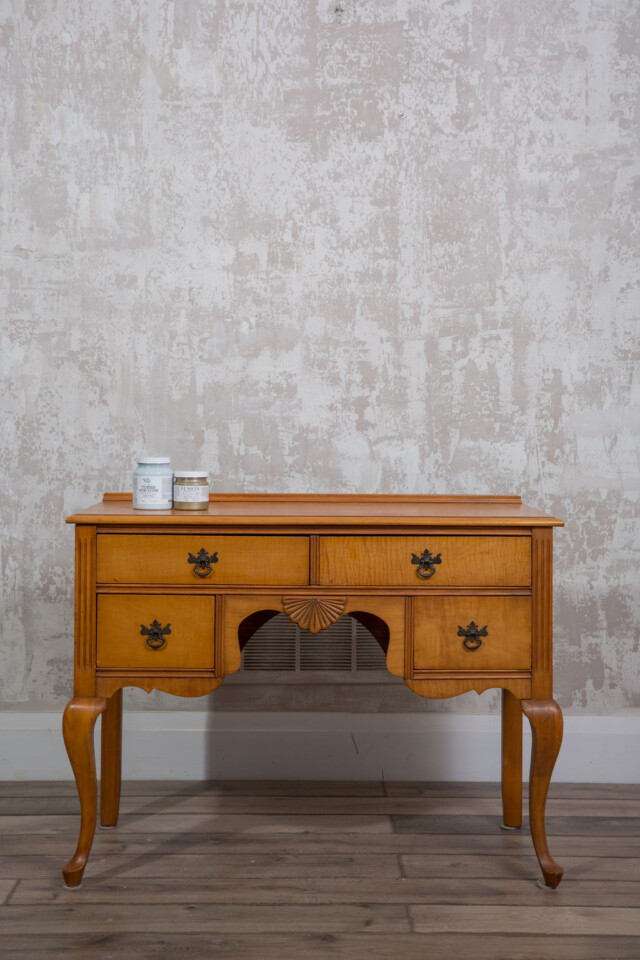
(352, 871)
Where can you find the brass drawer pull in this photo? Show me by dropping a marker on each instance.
(202, 562)
(155, 634)
(426, 563)
(472, 635)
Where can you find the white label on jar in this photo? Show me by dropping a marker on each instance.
(193, 493)
(152, 491)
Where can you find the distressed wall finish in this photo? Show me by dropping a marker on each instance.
(356, 246)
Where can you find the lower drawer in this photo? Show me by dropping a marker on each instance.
(155, 632)
(472, 633)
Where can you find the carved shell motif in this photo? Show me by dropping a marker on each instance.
(313, 614)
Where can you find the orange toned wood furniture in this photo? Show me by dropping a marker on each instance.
(457, 590)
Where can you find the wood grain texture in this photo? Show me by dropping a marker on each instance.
(559, 825)
(466, 561)
(69, 917)
(313, 613)
(158, 823)
(624, 796)
(511, 760)
(437, 645)
(145, 579)
(390, 610)
(239, 608)
(441, 688)
(147, 559)
(557, 791)
(339, 885)
(409, 639)
(186, 684)
(7, 887)
(78, 721)
(342, 946)
(492, 866)
(315, 891)
(85, 612)
(321, 509)
(190, 645)
(542, 613)
(218, 634)
(545, 718)
(311, 591)
(111, 760)
(554, 920)
(319, 946)
(313, 559)
(609, 854)
(510, 499)
(299, 804)
(354, 526)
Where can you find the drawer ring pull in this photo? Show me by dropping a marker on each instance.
(155, 634)
(202, 562)
(426, 563)
(472, 635)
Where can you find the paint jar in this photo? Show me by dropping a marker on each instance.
(191, 490)
(152, 484)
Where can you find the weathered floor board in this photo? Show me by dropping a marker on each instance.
(317, 946)
(558, 920)
(318, 788)
(333, 870)
(507, 843)
(382, 890)
(316, 806)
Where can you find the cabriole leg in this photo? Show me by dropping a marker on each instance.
(511, 760)
(545, 717)
(78, 721)
(111, 761)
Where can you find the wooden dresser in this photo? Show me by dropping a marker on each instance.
(457, 591)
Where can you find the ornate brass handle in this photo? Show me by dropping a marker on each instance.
(155, 634)
(472, 635)
(426, 563)
(202, 562)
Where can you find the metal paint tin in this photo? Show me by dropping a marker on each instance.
(191, 490)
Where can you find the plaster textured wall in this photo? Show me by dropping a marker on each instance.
(366, 245)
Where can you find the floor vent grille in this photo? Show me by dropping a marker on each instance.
(280, 645)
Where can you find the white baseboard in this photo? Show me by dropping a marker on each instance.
(317, 746)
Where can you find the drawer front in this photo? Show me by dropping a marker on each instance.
(155, 632)
(192, 559)
(464, 561)
(472, 633)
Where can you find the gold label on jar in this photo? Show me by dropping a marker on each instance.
(191, 492)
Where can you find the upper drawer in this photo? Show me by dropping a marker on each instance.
(153, 558)
(465, 561)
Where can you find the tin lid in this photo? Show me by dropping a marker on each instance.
(153, 459)
(190, 474)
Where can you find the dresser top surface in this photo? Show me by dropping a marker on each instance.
(257, 510)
